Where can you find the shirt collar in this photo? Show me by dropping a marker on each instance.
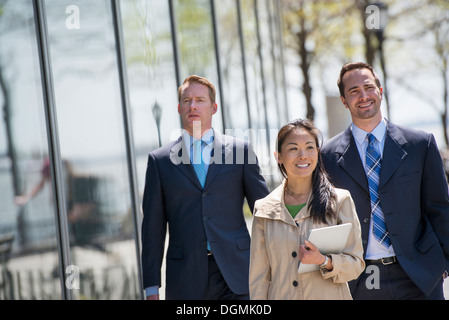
(379, 132)
(208, 137)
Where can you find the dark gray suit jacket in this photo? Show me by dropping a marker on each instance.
(174, 195)
(413, 193)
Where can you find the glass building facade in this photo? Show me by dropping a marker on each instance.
(87, 90)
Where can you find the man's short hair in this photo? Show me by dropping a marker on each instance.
(201, 80)
(353, 66)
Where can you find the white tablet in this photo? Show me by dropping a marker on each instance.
(331, 239)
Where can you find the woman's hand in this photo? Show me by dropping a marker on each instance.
(310, 254)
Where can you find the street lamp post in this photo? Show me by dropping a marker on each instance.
(157, 113)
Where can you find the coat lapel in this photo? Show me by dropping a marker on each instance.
(180, 158)
(221, 150)
(350, 159)
(274, 207)
(394, 153)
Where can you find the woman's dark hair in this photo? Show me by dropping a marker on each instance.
(324, 198)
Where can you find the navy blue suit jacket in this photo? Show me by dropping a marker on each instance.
(173, 195)
(413, 193)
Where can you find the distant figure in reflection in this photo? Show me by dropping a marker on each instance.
(197, 185)
(84, 219)
(21, 200)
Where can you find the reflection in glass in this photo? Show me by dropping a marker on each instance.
(255, 83)
(93, 149)
(266, 25)
(196, 45)
(250, 39)
(151, 77)
(278, 60)
(234, 98)
(29, 264)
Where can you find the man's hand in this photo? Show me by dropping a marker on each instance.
(153, 297)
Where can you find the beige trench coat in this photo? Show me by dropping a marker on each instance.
(275, 242)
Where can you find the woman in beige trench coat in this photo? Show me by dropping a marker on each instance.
(282, 221)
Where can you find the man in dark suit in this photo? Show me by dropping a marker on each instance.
(197, 185)
(404, 209)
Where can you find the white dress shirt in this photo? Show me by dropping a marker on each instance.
(208, 138)
(374, 250)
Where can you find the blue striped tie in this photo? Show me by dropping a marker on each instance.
(373, 163)
(198, 163)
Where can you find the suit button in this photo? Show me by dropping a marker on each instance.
(295, 283)
(205, 219)
(204, 194)
(364, 242)
(366, 220)
(294, 254)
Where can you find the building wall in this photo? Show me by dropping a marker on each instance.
(87, 90)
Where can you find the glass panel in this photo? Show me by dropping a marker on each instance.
(29, 264)
(278, 61)
(93, 148)
(151, 77)
(255, 84)
(196, 45)
(258, 119)
(273, 103)
(232, 66)
(269, 71)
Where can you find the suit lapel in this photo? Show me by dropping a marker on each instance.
(393, 153)
(350, 159)
(180, 158)
(221, 151)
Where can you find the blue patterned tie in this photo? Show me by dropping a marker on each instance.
(198, 163)
(373, 163)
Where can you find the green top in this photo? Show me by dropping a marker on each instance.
(294, 209)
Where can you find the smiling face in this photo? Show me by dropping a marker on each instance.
(362, 97)
(195, 106)
(298, 154)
